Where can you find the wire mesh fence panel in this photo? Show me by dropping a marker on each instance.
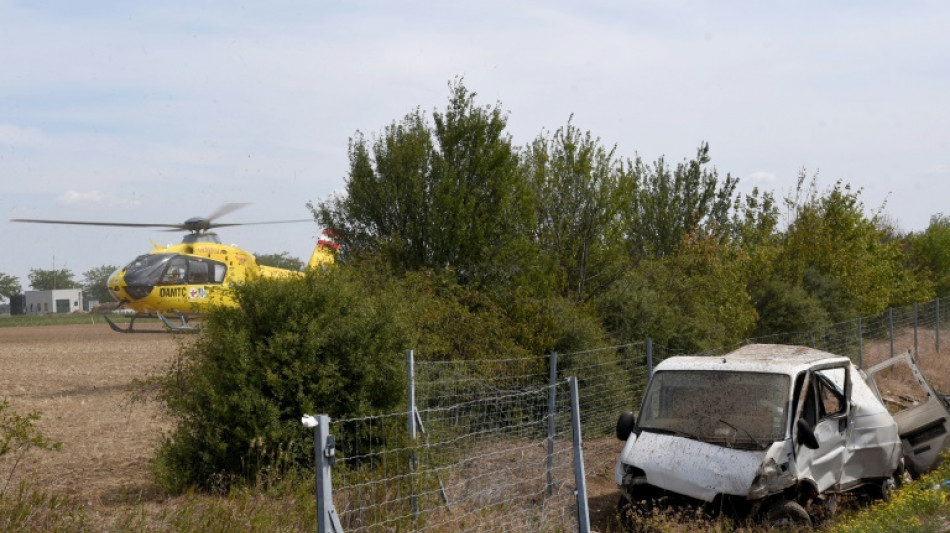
(440, 383)
(481, 464)
(610, 381)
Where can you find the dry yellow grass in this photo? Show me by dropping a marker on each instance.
(79, 377)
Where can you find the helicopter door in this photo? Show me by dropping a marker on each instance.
(205, 271)
(198, 272)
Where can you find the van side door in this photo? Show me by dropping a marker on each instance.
(824, 405)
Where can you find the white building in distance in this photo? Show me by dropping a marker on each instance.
(55, 301)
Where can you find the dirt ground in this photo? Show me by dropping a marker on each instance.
(78, 377)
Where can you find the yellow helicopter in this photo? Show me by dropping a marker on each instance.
(183, 280)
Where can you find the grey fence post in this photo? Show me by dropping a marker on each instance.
(411, 368)
(937, 311)
(915, 328)
(890, 327)
(649, 358)
(580, 480)
(552, 405)
(811, 338)
(324, 452)
(860, 345)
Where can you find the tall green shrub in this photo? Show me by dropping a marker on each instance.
(324, 343)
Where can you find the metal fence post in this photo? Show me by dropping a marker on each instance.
(937, 328)
(860, 345)
(411, 368)
(552, 405)
(580, 480)
(890, 327)
(649, 358)
(324, 454)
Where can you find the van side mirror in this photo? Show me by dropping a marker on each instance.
(806, 435)
(625, 425)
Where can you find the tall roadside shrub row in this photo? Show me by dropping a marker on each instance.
(461, 245)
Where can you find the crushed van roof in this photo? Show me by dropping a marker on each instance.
(771, 358)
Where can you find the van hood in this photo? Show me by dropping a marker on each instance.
(692, 468)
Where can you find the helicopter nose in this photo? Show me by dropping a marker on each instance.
(117, 287)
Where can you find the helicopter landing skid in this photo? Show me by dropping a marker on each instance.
(184, 327)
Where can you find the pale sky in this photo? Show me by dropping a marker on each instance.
(154, 112)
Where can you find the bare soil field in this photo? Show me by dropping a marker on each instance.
(79, 378)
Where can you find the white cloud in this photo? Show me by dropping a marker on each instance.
(761, 176)
(94, 199)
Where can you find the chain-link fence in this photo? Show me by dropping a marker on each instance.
(486, 444)
(499, 462)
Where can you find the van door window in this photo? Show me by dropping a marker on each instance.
(831, 399)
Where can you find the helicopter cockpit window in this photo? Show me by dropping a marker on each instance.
(146, 269)
(176, 272)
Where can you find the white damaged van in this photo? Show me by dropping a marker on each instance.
(767, 431)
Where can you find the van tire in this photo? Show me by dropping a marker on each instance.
(786, 515)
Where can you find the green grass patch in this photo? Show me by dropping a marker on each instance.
(65, 319)
(922, 506)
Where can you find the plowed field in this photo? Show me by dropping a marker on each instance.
(79, 378)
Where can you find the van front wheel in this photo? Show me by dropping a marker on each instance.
(786, 515)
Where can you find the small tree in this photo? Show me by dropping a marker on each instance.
(17, 436)
(48, 280)
(449, 194)
(9, 286)
(930, 252)
(95, 285)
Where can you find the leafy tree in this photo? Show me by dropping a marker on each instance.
(9, 285)
(95, 285)
(839, 247)
(433, 196)
(785, 307)
(669, 205)
(582, 189)
(930, 253)
(46, 280)
(281, 260)
(385, 209)
(691, 300)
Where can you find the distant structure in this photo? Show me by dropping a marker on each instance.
(55, 301)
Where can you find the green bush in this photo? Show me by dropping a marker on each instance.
(325, 343)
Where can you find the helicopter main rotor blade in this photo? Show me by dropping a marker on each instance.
(211, 226)
(225, 209)
(89, 223)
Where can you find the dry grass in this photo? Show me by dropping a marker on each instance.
(79, 377)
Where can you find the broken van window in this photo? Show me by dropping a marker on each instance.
(741, 409)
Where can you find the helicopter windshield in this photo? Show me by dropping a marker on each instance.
(173, 269)
(146, 270)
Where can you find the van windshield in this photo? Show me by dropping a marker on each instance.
(736, 409)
